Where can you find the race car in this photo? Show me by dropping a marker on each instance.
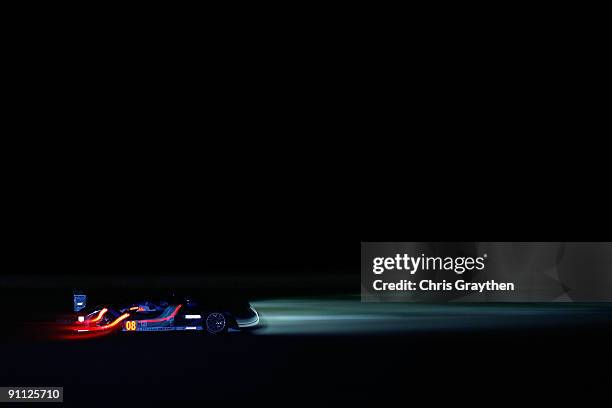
(162, 315)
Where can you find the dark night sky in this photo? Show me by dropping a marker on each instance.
(138, 239)
(139, 221)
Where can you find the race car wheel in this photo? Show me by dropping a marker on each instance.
(216, 323)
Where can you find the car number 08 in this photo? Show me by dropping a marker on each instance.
(130, 325)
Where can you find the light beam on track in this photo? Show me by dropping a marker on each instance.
(348, 316)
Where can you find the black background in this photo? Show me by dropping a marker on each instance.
(217, 173)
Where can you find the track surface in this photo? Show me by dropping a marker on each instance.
(332, 350)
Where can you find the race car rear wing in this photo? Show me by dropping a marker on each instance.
(79, 299)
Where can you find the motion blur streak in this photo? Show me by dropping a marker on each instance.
(347, 315)
(102, 312)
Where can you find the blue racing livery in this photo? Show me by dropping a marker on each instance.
(148, 316)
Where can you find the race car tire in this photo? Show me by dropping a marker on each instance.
(215, 323)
